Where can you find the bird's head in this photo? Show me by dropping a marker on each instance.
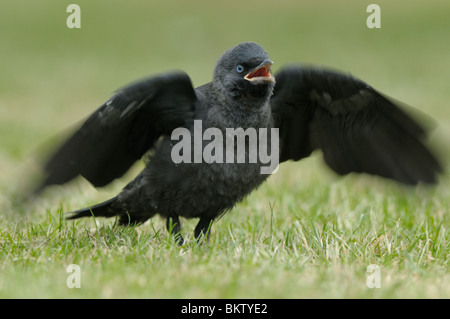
(243, 72)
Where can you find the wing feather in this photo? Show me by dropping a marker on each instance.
(123, 129)
(356, 128)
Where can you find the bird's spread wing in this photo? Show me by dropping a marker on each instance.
(357, 128)
(123, 129)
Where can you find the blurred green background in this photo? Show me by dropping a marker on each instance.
(51, 76)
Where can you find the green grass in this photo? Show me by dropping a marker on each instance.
(305, 233)
(317, 241)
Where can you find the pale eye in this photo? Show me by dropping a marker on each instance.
(239, 68)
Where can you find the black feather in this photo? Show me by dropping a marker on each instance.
(357, 128)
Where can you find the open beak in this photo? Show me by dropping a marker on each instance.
(261, 73)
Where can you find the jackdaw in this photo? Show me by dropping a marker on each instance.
(356, 128)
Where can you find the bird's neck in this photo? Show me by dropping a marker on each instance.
(229, 111)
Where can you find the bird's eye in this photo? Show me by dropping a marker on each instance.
(239, 68)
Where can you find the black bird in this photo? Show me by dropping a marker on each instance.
(356, 128)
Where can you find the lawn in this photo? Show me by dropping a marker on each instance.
(306, 233)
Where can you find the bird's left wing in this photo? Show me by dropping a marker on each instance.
(123, 129)
(357, 128)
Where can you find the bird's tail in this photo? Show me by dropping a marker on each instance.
(106, 209)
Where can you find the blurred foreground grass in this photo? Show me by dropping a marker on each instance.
(303, 234)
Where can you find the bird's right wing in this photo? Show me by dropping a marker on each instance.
(123, 129)
(356, 128)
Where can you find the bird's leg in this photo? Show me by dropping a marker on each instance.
(203, 229)
(174, 227)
